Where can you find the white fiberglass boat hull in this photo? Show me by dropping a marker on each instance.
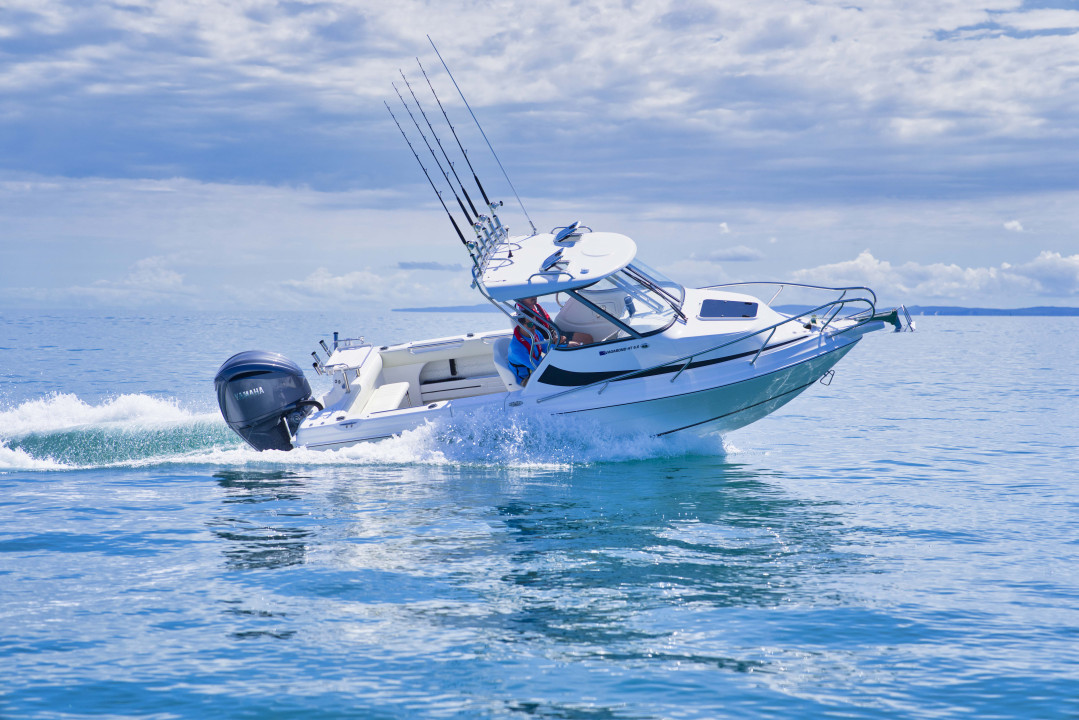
(721, 396)
(718, 409)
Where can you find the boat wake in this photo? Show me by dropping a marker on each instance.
(62, 432)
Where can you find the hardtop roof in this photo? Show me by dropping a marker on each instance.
(542, 264)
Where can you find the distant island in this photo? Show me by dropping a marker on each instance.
(480, 308)
(1041, 311)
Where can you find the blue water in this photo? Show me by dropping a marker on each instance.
(902, 543)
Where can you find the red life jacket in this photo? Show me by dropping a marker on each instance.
(540, 317)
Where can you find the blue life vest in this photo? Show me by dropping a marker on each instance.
(525, 353)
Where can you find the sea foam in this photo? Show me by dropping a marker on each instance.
(62, 432)
(61, 411)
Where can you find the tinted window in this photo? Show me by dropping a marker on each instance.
(728, 309)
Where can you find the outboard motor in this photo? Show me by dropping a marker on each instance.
(264, 398)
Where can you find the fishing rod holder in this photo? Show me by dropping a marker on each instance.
(491, 236)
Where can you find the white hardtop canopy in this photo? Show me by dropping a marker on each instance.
(546, 263)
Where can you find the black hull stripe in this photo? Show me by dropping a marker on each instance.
(570, 378)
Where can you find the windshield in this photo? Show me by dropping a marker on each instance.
(638, 296)
(676, 292)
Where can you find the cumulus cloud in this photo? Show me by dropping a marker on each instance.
(436, 266)
(359, 285)
(150, 281)
(1050, 274)
(738, 253)
(153, 273)
(691, 272)
(1014, 226)
(1055, 274)
(110, 242)
(399, 288)
(211, 90)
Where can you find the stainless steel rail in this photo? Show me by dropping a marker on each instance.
(782, 285)
(435, 345)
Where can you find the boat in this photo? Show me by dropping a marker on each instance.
(622, 346)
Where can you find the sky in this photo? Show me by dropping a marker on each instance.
(237, 155)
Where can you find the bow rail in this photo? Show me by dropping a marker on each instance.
(834, 307)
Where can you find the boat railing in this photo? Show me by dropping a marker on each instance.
(553, 274)
(782, 285)
(340, 343)
(435, 345)
(344, 344)
(829, 310)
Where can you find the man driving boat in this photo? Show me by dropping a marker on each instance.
(534, 336)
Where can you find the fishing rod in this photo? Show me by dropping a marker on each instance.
(437, 140)
(504, 173)
(454, 131)
(428, 175)
(425, 142)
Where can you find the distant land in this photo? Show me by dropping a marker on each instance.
(481, 308)
(1030, 311)
(1042, 311)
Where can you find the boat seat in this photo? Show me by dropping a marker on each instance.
(386, 397)
(576, 317)
(501, 354)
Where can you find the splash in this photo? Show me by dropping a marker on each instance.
(19, 459)
(62, 411)
(61, 432)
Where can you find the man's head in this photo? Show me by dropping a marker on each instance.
(528, 306)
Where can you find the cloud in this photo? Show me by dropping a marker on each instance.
(1055, 274)
(152, 274)
(671, 97)
(1050, 274)
(358, 285)
(739, 253)
(1014, 226)
(149, 282)
(377, 288)
(693, 273)
(196, 244)
(724, 229)
(436, 266)
(207, 245)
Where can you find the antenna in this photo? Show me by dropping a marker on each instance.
(504, 173)
(448, 214)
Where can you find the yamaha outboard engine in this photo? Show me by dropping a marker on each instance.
(264, 398)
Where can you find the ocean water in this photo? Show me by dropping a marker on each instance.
(902, 543)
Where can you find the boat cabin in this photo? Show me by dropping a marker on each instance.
(591, 278)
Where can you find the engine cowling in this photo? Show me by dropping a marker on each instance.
(263, 397)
